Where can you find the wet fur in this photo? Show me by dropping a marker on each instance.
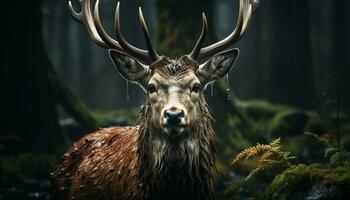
(141, 162)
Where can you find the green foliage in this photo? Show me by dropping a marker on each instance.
(307, 181)
(340, 158)
(261, 110)
(337, 156)
(270, 155)
(297, 181)
(287, 123)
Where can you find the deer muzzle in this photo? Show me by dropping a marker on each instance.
(174, 121)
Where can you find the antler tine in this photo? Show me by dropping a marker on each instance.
(105, 37)
(202, 36)
(247, 18)
(91, 19)
(255, 4)
(252, 6)
(138, 53)
(85, 17)
(152, 52)
(211, 50)
(77, 16)
(246, 8)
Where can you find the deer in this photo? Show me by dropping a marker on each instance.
(170, 153)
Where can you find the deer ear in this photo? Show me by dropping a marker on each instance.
(218, 66)
(129, 67)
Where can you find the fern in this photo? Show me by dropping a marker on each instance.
(270, 155)
(251, 152)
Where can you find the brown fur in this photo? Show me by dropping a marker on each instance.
(101, 165)
(141, 162)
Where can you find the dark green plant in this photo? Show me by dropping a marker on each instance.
(337, 156)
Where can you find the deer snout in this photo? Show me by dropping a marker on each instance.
(174, 116)
(173, 121)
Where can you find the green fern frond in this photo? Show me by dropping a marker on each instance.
(270, 155)
(276, 142)
(251, 152)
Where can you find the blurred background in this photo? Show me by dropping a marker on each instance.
(56, 85)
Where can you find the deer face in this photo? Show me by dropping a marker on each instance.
(174, 87)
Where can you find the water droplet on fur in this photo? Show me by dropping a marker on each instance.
(228, 93)
(228, 87)
(98, 144)
(62, 188)
(127, 90)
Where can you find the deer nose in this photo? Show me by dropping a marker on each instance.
(173, 116)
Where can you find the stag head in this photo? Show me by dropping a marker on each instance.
(174, 86)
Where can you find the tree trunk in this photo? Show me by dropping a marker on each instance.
(342, 60)
(29, 87)
(180, 23)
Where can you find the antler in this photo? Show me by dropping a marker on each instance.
(246, 9)
(91, 20)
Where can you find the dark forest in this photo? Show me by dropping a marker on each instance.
(280, 117)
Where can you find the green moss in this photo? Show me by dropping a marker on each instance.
(297, 181)
(340, 158)
(288, 123)
(260, 109)
(287, 179)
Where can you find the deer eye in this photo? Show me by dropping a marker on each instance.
(196, 87)
(151, 88)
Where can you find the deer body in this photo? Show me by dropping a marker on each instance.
(104, 169)
(170, 153)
